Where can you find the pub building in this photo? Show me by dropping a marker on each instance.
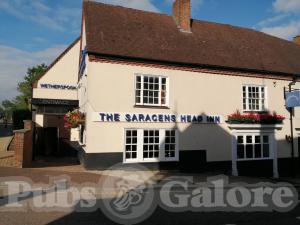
(158, 90)
(54, 94)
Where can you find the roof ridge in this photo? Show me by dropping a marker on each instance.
(193, 19)
(212, 43)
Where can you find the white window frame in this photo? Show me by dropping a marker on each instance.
(261, 108)
(270, 143)
(140, 143)
(160, 90)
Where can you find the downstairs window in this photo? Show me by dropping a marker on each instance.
(151, 145)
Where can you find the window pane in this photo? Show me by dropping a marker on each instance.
(134, 155)
(240, 152)
(249, 139)
(131, 144)
(153, 89)
(134, 140)
(249, 151)
(134, 133)
(138, 100)
(257, 139)
(266, 151)
(266, 139)
(258, 151)
(170, 144)
(254, 98)
(151, 144)
(240, 139)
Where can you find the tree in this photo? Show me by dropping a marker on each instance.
(25, 88)
(22, 101)
(8, 107)
(1, 113)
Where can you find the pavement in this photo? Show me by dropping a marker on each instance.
(97, 217)
(4, 142)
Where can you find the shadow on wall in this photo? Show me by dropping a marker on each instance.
(202, 148)
(214, 145)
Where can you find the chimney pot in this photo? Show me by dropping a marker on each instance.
(182, 14)
(297, 39)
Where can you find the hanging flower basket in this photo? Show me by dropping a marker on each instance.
(74, 119)
(255, 118)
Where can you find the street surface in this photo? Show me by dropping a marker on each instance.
(160, 217)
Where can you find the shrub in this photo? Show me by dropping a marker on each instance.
(19, 116)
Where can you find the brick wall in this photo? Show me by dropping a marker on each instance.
(22, 144)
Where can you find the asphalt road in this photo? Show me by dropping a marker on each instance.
(159, 217)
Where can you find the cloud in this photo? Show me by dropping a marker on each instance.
(285, 22)
(57, 18)
(14, 63)
(146, 5)
(286, 6)
(287, 31)
(272, 20)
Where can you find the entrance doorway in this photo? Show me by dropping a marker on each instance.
(53, 139)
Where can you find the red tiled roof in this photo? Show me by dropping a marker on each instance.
(128, 33)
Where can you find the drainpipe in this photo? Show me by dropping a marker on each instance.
(292, 131)
(33, 126)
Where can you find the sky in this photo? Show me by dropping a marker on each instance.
(37, 31)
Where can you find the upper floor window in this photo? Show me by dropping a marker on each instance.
(254, 98)
(151, 90)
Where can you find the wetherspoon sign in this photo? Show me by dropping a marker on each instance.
(155, 118)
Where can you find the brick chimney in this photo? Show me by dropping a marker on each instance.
(297, 39)
(182, 14)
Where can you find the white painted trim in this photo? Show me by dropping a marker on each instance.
(273, 154)
(234, 156)
(260, 98)
(140, 158)
(259, 127)
(142, 89)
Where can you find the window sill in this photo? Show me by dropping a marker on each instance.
(253, 159)
(243, 126)
(151, 107)
(254, 111)
(149, 161)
